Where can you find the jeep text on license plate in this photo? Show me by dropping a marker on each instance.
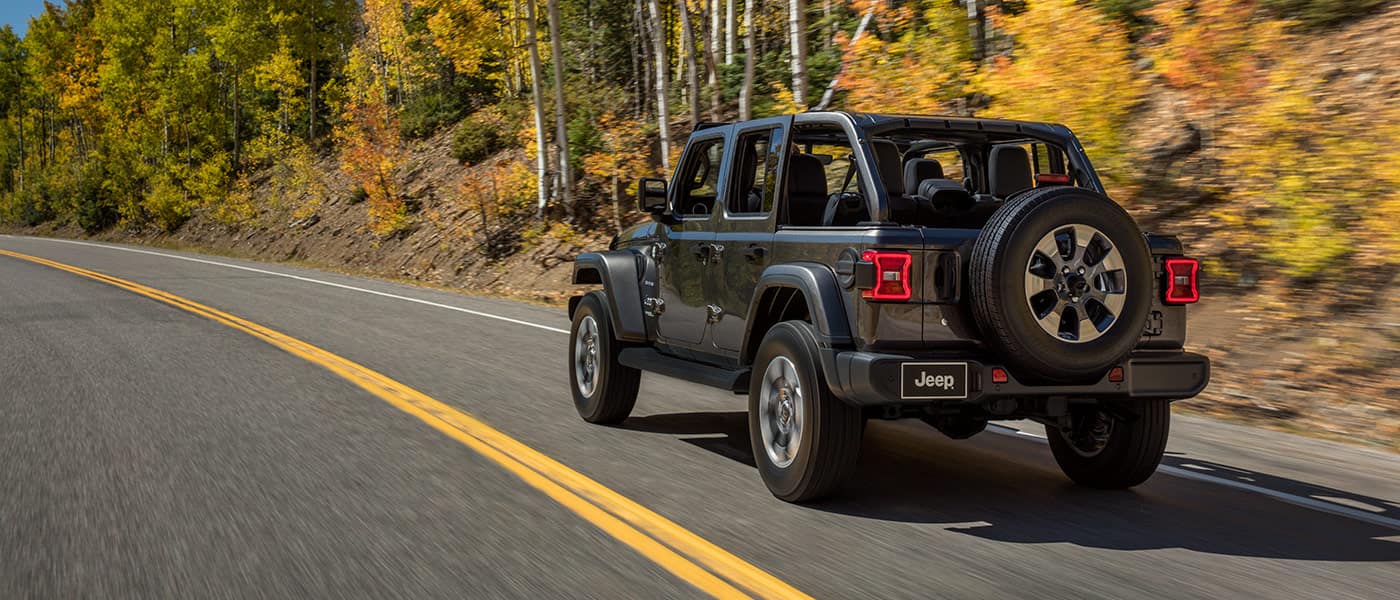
(933, 380)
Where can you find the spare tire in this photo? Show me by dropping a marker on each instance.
(1061, 283)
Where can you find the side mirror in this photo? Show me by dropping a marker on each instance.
(651, 195)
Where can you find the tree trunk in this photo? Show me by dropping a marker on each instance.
(617, 201)
(797, 27)
(311, 104)
(537, 97)
(729, 32)
(716, 26)
(711, 59)
(663, 112)
(692, 76)
(643, 60)
(746, 90)
(237, 134)
(831, 88)
(561, 117)
(977, 28)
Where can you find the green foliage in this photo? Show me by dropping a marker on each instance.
(1132, 13)
(585, 137)
(1317, 13)
(1305, 196)
(429, 112)
(480, 136)
(357, 195)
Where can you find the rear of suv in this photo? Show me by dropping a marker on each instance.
(839, 267)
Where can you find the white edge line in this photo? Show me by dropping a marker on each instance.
(305, 279)
(1303, 501)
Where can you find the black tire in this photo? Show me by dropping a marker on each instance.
(831, 431)
(1127, 457)
(999, 300)
(614, 389)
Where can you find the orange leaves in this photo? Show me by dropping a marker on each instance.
(624, 151)
(1216, 50)
(371, 154)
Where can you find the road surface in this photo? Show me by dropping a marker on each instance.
(210, 427)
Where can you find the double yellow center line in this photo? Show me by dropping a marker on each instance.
(693, 559)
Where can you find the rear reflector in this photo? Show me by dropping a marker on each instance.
(999, 375)
(891, 276)
(1115, 374)
(1052, 179)
(1182, 281)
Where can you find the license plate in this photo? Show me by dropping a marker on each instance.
(933, 380)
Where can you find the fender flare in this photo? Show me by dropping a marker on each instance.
(825, 301)
(617, 271)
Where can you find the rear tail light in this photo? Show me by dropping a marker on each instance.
(1182, 284)
(891, 276)
(1052, 179)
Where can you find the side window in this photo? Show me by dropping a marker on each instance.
(755, 173)
(699, 178)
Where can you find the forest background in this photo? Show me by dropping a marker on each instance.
(479, 143)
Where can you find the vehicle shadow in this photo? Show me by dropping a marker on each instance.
(1006, 489)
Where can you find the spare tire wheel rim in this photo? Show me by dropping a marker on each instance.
(780, 411)
(1076, 283)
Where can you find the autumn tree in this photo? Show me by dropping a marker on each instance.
(1085, 79)
(620, 160)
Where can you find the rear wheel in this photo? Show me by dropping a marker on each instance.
(805, 440)
(604, 390)
(1103, 450)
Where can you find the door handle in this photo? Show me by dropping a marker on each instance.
(701, 251)
(755, 252)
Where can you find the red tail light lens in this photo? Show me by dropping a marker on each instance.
(1052, 179)
(1181, 281)
(891, 276)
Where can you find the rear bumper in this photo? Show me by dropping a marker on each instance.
(870, 379)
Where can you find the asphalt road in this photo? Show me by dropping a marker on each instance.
(146, 451)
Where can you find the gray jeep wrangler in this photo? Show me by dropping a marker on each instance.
(840, 267)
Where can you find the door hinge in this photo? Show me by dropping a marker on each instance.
(653, 306)
(713, 312)
(1154, 324)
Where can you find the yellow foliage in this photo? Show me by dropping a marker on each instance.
(168, 205)
(1306, 194)
(623, 152)
(919, 72)
(466, 32)
(784, 102)
(1071, 64)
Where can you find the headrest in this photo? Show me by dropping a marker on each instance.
(919, 169)
(888, 166)
(806, 176)
(945, 194)
(1010, 171)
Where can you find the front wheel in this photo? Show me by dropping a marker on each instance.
(604, 390)
(1112, 451)
(805, 440)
